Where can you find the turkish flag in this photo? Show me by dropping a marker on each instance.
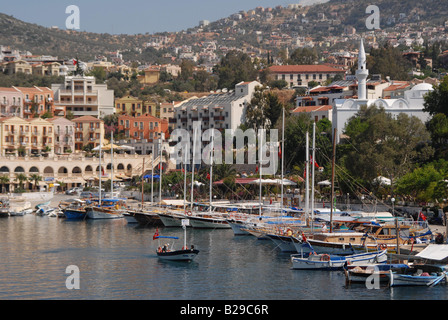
(75, 62)
(208, 176)
(422, 216)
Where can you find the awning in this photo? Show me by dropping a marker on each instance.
(436, 252)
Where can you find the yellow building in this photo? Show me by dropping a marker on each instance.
(135, 107)
(24, 137)
(18, 66)
(88, 132)
(151, 75)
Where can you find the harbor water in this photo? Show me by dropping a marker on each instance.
(117, 261)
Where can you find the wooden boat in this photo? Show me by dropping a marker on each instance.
(76, 210)
(172, 218)
(129, 216)
(419, 275)
(335, 262)
(363, 273)
(146, 218)
(209, 221)
(108, 209)
(366, 238)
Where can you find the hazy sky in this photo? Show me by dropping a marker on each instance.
(131, 16)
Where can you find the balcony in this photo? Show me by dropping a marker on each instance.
(219, 118)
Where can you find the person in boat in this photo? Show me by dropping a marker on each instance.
(324, 227)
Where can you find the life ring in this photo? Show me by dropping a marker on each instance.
(383, 246)
(189, 213)
(325, 257)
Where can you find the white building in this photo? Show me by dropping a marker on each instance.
(82, 96)
(218, 110)
(411, 103)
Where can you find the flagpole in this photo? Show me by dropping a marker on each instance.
(185, 182)
(112, 160)
(160, 173)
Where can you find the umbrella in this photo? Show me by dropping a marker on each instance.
(109, 146)
(286, 182)
(148, 176)
(264, 181)
(324, 183)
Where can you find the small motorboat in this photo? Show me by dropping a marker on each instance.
(167, 252)
(419, 275)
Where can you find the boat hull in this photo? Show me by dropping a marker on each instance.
(146, 218)
(98, 213)
(178, 255)
(208, 223)
(169, 220)
(327, 262)
(238, 228)
(73, 214)
(129, 217)
(284, 243)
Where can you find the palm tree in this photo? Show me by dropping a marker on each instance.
(224, 170)
(35, 178)
(21, 177)
(4, 180)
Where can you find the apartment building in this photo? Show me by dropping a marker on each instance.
(145, 127)
(135, 107)
(218, 110)
(83, 97)
(88, 132)
(301, 75)
(64, 135)
(38, 101)
(25, 137)
(11, 102)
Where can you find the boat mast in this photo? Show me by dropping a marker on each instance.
(307, 170)
(160, 173)
(185, 181)
(312, 175)
(100, 171)
(211, 170)
(143, 179)
(152, 173)
(192, 173)
(260, 163)
(282, 161)
(112, 164)
(332, 179)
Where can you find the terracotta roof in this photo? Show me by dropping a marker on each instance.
(86, 119)
(311, 68)
(312, 108)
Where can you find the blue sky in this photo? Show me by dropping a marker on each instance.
(131, 16)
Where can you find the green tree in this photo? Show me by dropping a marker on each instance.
(388, 61)
(264, 109)
(304, 56)
(235, 67)
(21, 177)
(4, 180)
(384, 145)
(436, 101)
(35, 178)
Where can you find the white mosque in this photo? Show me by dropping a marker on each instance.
(411, 103)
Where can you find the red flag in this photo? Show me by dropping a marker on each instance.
(304, 174)
(422, 216)
(208, 176)
(256, 169)
(315, 163)
(75, 62)
(160, 166)
(303, 237)
(183, 170)
(102, 171)
(280, 152)
(156, 235)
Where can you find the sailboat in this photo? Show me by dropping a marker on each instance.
(105, 208)
(167, 252)
(212, 219)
